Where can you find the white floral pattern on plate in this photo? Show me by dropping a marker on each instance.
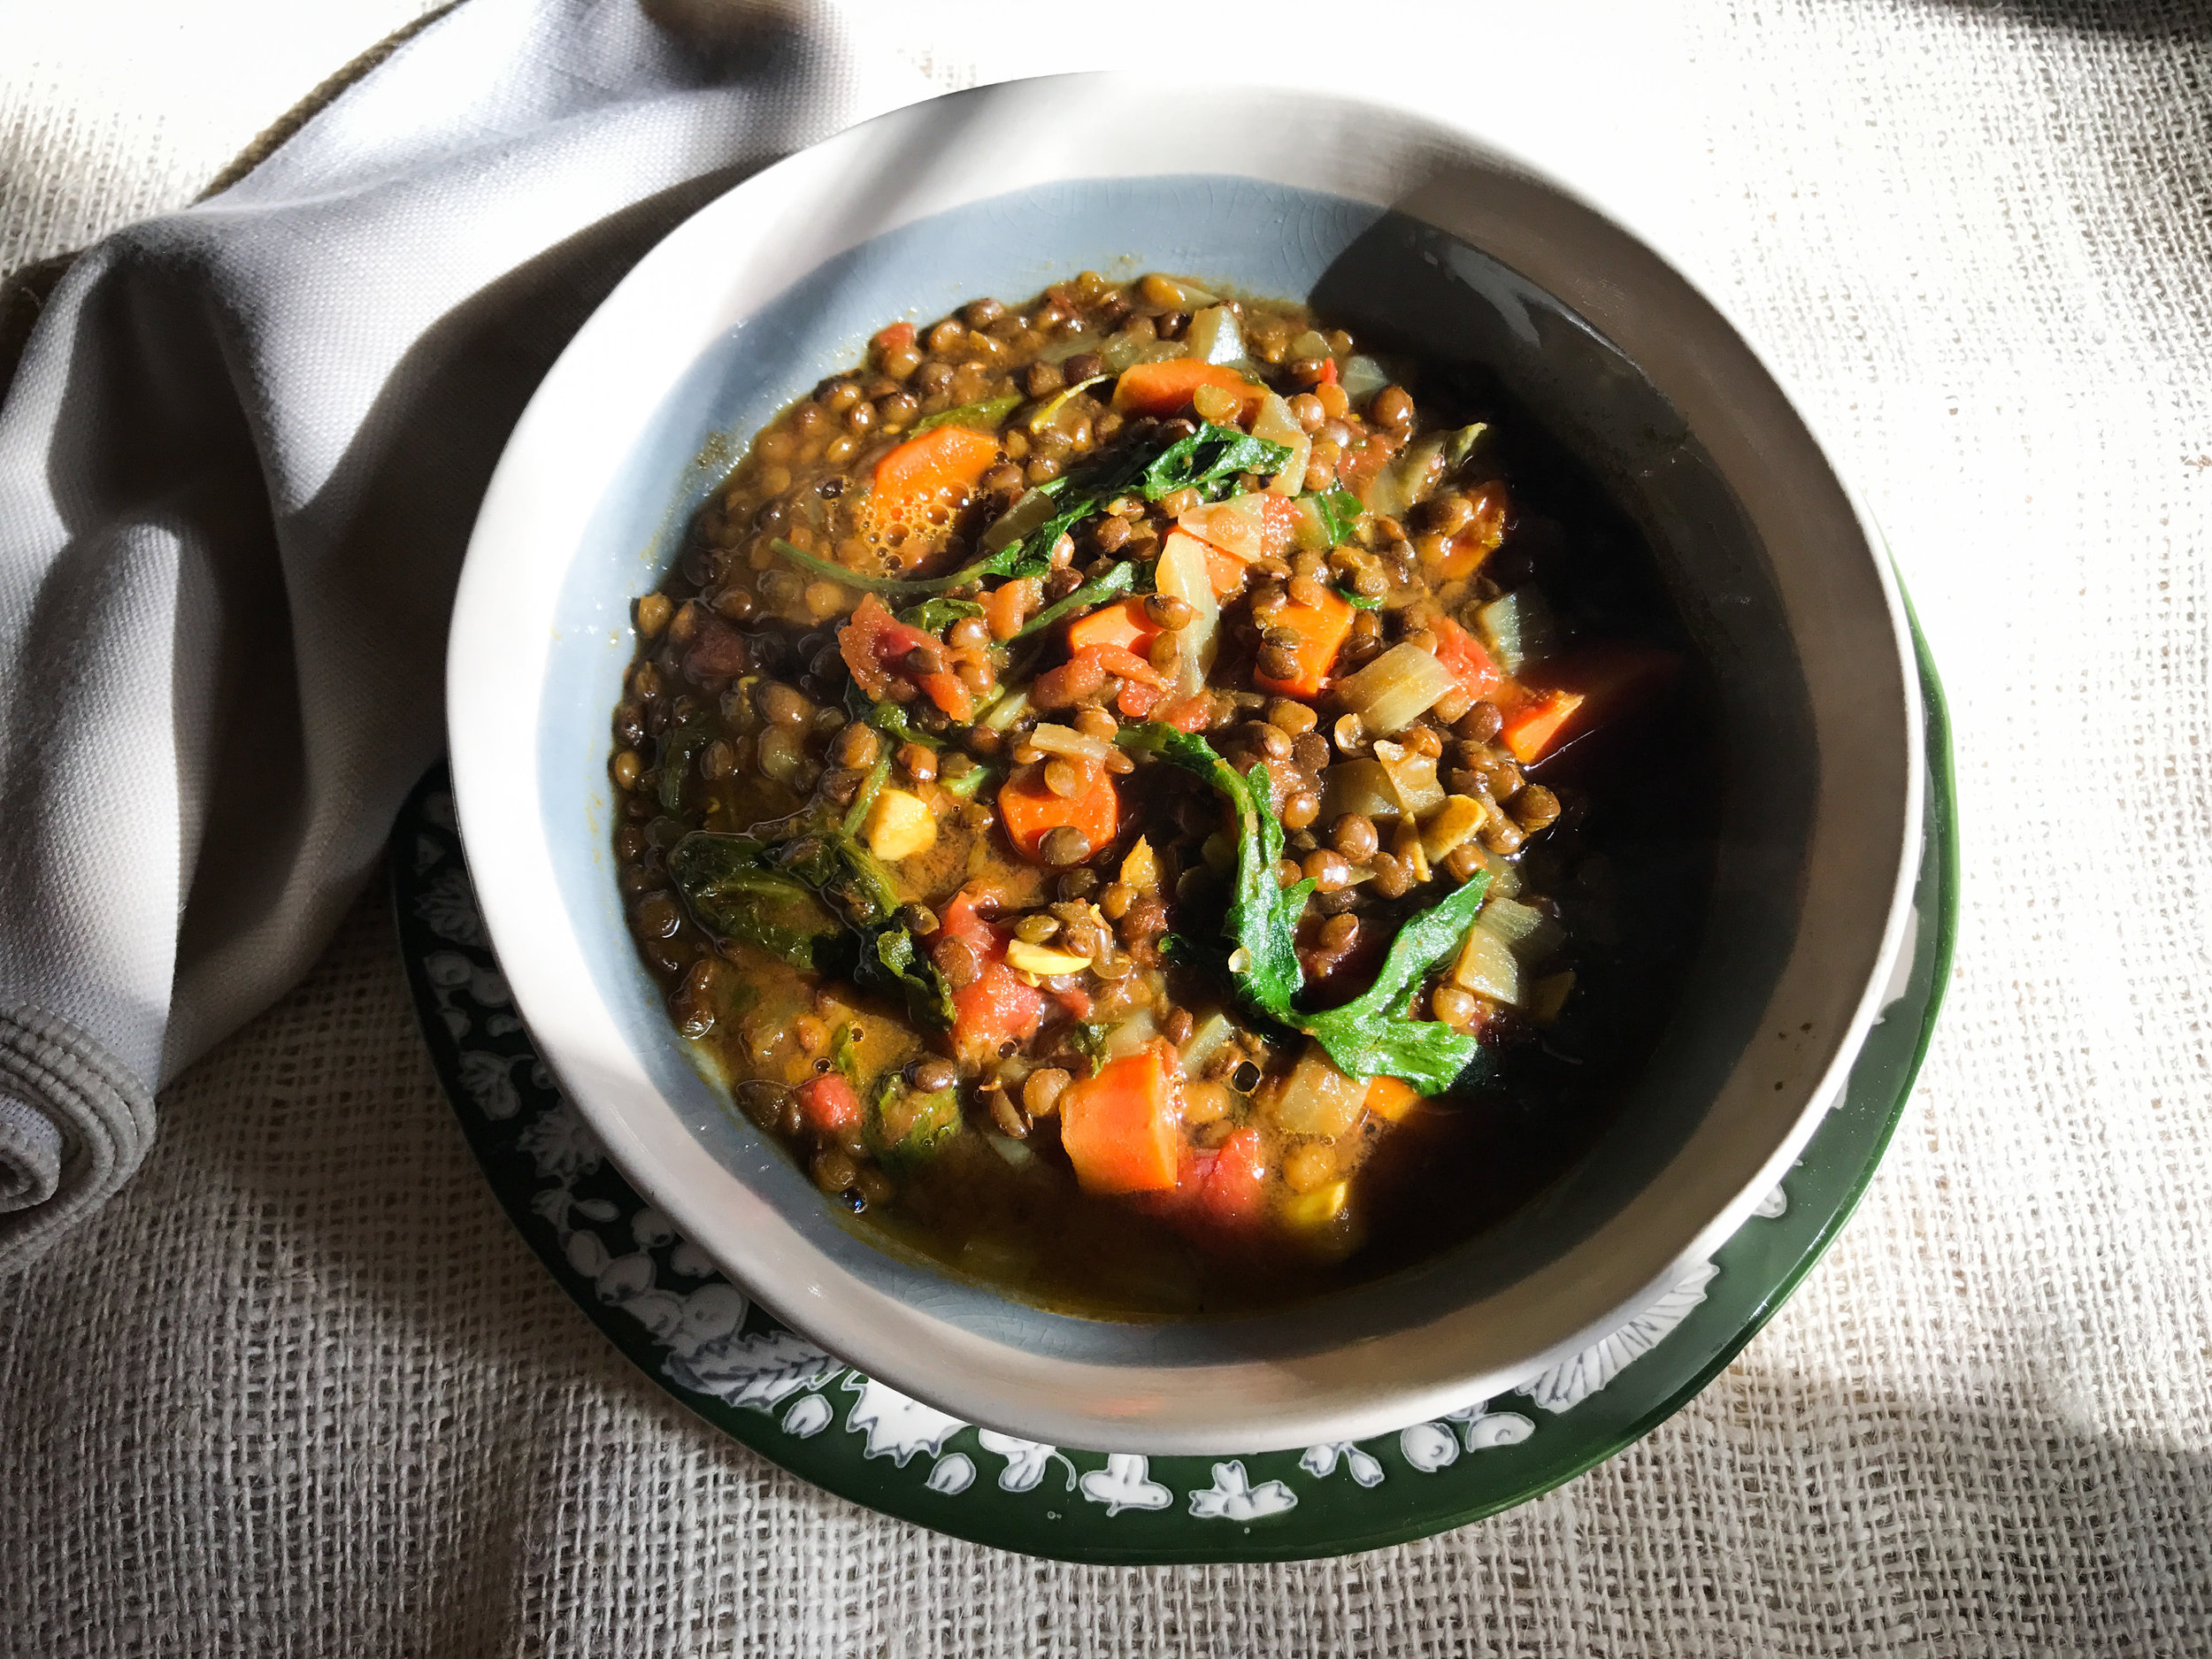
(713, 1342)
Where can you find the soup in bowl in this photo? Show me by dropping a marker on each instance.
(1182, 803)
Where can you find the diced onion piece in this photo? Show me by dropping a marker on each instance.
(1066, 740)
(1316, 1099)
(1505, 875)
(1396, 689)
(1450, 825)
(1131, 1035)
(1548, 995)
(1358, 786)
(1531, 935)
(1238, 526)
(1213, 335)
(1160, 351)
(1192, 294)
(1412, 777)
(899, 826)
(1006, 711)
(1459, 444)
(1119, 351)
(1309, 344)
(1182, 573)
(1486, 967)
(1018, 521)
(1276, 425)
(1362, 377)
(1012, 1150)
(1308, 532)
(1516, 628)
(1408, 478)
(1044, 962)
(1208, 1041)
(1405, 846)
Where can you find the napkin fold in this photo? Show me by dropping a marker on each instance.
(239, 464)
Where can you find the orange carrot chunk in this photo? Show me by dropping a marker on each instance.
(1166, 388)
(1320, 629)
(917, 487)
(1030, 810)
(1124, 624)
(1532, 729)
(1573, 695)
(1120, 1128)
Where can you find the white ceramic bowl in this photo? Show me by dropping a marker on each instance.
(1366, 210)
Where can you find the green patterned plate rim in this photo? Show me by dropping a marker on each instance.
(700, 1338)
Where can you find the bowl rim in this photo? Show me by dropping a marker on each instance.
(496, 787)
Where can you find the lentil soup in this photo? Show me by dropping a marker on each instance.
(1135, 791)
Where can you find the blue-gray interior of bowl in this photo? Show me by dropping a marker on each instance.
(1356, 262)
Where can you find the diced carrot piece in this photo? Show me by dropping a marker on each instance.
(1573, 695)
(929, 475)
(944, 460)
(1391, 1098)
(828, 1104)
(1328, 370)
(1166, 388)
(1124, 624)
(1321, 629)
(1471, 665)
(1532, 729)
(1120, 1128)
(1029, 810)
(874, 645)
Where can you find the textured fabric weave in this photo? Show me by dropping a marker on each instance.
(300, 1390)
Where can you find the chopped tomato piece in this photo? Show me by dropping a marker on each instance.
(1189, 714)
(875, 644)
(828, 1104)
(1121, 1128)
(996, 1007)
(897, 336)
(1459, 651)
(1328, 370)
(1321, 629)
(1166, 388)
(1234, 1194)
(1030, 810)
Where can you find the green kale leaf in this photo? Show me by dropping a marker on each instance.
(1371, 1034)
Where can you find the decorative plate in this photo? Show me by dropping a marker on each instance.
(660, 1301)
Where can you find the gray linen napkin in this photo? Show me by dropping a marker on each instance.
(238, 467)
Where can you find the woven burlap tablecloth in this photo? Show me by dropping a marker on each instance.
(301, 1388)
